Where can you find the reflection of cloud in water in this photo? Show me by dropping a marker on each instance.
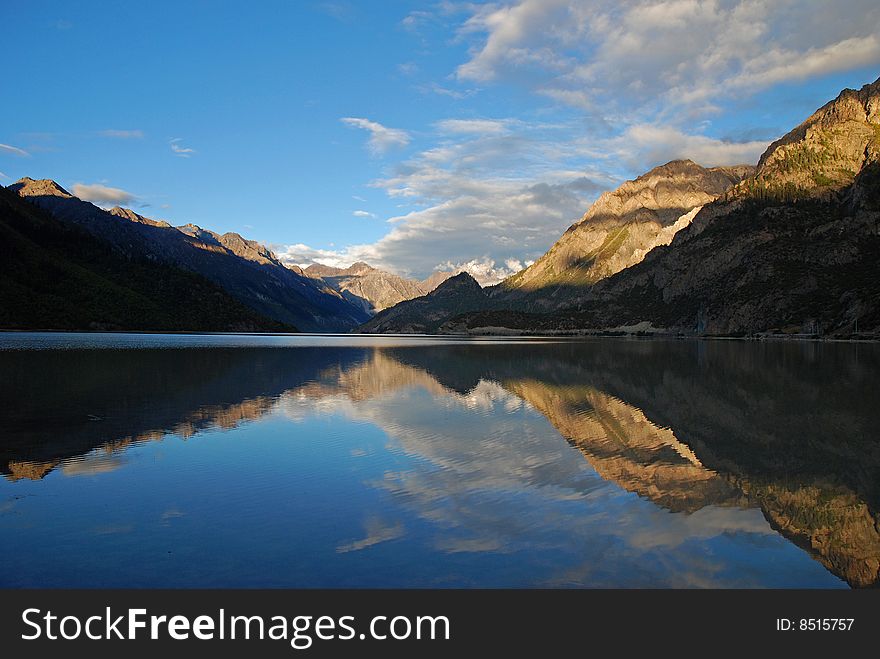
(668, 530)
(486, 395)
(299, 406)
(492, 474)
(377, 531)
(113, 530)
(93, 464)
(171, 513)
(637, 459)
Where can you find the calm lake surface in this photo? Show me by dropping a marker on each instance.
(319, 461)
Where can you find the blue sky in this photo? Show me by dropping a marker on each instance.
(412, 135)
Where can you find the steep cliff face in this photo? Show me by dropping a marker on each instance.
(247, 270)
(372, 289)
(792, 249)
(620, 228)
(830, 147)
(615, 233)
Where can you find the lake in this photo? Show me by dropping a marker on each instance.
(362, 461)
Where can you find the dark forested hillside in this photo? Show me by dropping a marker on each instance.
(59, 277)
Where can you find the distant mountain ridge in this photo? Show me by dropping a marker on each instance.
(425, 314)
(247, 270)
(621, 227)
(618, 230)
(371, 288)
(793, 249)
(790, 246)
(58, 276)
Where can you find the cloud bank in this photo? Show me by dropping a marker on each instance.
(103, 195)
(660, 56)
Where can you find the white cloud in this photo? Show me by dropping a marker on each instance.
(516, 37)
(122, 134)
(341, 11)
(103, 195)
(649, 55)
(489, 195)
(304, 256)
(476, 200)
(180, 151)
(382, 138)
(574, 97)
(476, 222)
(643, 146)
(13, 149)
(474, 126)
(786, 65)
(2, 175)
(440, 90)
(360, 213)
(484, 269)
(408, 68)
(416, 19)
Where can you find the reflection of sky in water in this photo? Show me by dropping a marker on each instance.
(498, 479)
(356, 480)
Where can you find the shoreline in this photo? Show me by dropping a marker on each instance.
(509, 334)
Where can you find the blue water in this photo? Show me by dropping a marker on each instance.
(288, 461)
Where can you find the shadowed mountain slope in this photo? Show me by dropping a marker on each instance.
(57, 276)
(245, 269)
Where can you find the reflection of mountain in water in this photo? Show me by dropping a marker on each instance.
(790, 428)
(823, 516)
(623, 446)
(62, 404)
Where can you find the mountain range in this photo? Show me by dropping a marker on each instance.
(249, 278)
(790, 246)
(246, 270)
(58, 276)
(618, 230)
(371, 288)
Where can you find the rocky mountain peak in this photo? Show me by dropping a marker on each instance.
(666, 192)
(427, 312)
(826, 151)
(436, 278)
(462, 283)
(249, 249)
(623, 225)
(321, 270)
(359, 268)
(131, 216)
(370, 287)
(28, 187)
(190, 229)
